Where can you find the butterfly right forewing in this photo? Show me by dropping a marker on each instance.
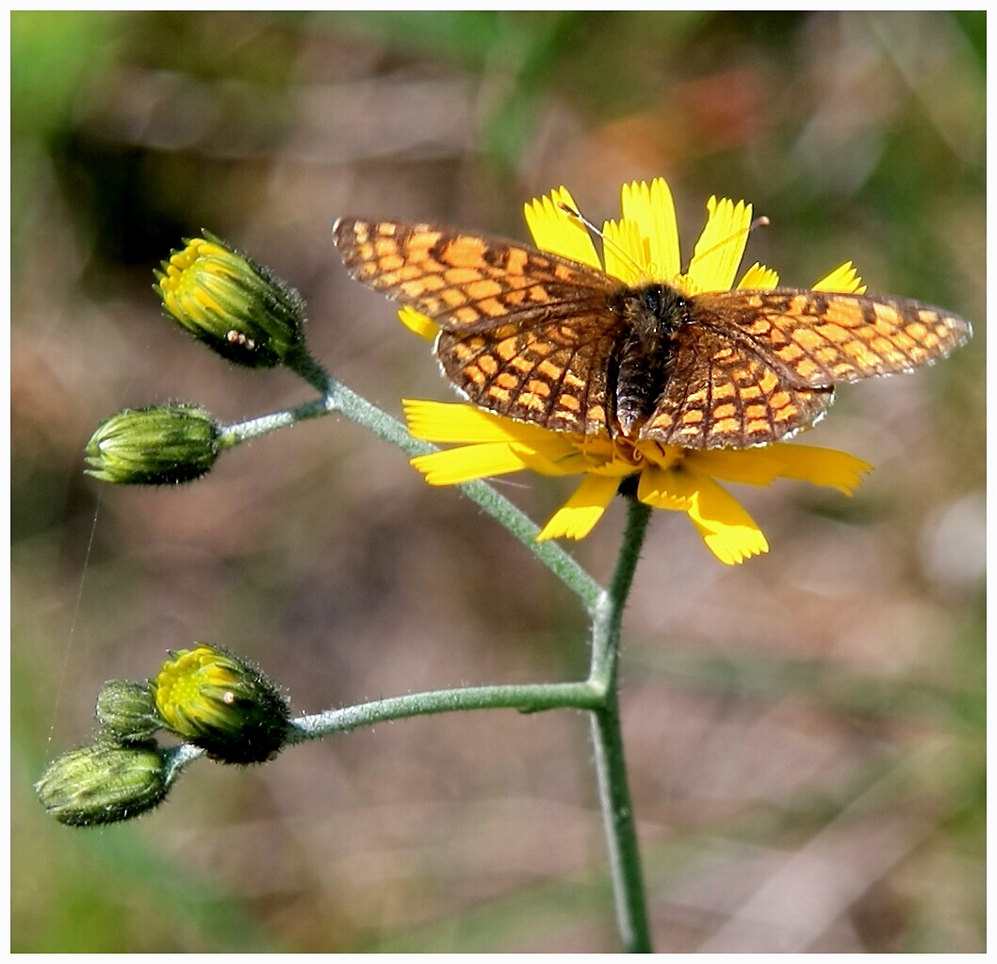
(524, 333)
(465, 282)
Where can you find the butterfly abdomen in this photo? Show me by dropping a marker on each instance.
(644, 356)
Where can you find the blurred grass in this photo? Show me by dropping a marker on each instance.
(861, 135)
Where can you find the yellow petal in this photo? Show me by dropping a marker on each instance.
(554, 230)
(455, 422)
(576, 518)
(756, 466)
(836, 470)
(654, 211)
(733, 544)
(467, 463)
(759, 278)
(727, 529)
(625, 251)
(786, 460)
(844, 279)
(720, 246)
(416, 321)
(658, 487)
(552, 458)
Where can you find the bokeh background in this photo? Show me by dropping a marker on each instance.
(805, 732)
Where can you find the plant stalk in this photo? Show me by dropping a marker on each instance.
(607, 740)
(598, 694)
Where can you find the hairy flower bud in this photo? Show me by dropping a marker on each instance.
(231, 303)
(103, 783)
(153, 446)
(126, 711)
(221, 703)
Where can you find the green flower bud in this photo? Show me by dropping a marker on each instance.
(153, 446)
(103, 783)
(127, 711)
(221, 703)
(232, 304)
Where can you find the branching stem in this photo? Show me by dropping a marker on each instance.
(597, 694)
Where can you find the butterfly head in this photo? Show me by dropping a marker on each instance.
(655, 311)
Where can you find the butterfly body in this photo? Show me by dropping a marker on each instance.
(639, 366)
(547, 340)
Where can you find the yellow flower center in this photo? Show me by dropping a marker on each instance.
(625, 456)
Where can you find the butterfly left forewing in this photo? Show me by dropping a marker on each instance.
(819, 339)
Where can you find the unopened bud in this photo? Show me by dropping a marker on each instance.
(126, 711)
(223, 704)
(103, 783)
(232, 304)
(153, 446)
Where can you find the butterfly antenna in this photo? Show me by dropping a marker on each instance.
(760, 222)
(606, 242)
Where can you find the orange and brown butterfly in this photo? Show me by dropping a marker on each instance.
(628, 346)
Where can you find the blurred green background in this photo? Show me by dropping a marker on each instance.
(806, 731)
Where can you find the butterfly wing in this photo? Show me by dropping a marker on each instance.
(722, 393)
(817, 339)
(504, 310)
(465, 282)
(550, 373)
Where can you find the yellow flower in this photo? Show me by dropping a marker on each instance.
(642, 246)
(218, 701)
(237, 307)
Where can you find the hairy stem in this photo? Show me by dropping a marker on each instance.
(597, 695)
(337, 398)
(607, 739)
(527, 698)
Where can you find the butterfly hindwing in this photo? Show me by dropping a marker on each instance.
(552, 374)
(721, 393)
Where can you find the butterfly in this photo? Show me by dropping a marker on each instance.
(544, 339)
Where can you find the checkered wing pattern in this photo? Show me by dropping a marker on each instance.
(525, 334)
(819, 339)
(722, 394)
(464, 282)
(552, 374)
(549, 341)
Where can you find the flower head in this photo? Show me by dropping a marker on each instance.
(682, 480)
(103, 783)
(222, 703)
(231, 303)
(153, 446)
(642, 246)
(127, 712)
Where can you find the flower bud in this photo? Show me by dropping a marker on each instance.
(126, 711)
(153, 446)
(221, 703)
(232, 304)
(103, 783)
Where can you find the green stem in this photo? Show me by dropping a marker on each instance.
(607, 739)
(336, 397)
(528, 698)
(608, 616)
(597, 695)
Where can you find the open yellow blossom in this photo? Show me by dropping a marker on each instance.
(643, 246)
